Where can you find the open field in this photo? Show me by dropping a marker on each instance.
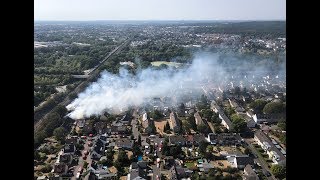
(224, 162)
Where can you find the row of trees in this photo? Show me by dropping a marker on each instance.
(261, 106)
(52, 121)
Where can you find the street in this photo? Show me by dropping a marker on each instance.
(81, 160)
(262, 162)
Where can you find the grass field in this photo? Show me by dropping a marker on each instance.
(158, 63)
(190, 164)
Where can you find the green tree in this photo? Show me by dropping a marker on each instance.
(36, 155)
(60, 133)
(166, 127)
(239, 125)
(85, 164)
(229, 111)
(258, 105)
(136, 150)
(191, 120)
(215, 118)
(61, 110)
(203, 129)
(156, 115)
(39, 137)
(282, 125)
(203, 146)
(247, 151)
(278, 171)
(151, 129)
(123, 158)
(274, 108)
(46, 169)
(207, 113)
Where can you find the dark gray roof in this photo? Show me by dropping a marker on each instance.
(177, 139)
(244, 160)
(124, 142)
(173, 173)
(134, 165)
(249, 173)
(225, 119)
(69, 148)
(264, 138)
(199, 137)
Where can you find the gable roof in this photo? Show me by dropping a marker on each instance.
(177, 139)
(69, 148)
(249, 173)
(244, 160)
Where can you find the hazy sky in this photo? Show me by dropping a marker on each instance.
(160, 9)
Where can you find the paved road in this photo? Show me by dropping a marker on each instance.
(81, 160)
(264, 165)
(156, 171)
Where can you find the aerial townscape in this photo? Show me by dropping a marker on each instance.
(160, 100)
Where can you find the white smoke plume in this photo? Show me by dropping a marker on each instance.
(114, 92)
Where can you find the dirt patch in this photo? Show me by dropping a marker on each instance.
(123, 178)
(129, 153)
(160, 125)
(113, 169)
(218, 163)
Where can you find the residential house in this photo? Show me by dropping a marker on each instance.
(225, 121)
(60, 168)
(80, 123)
(205, 166)
(198, 119)
(168, 162)
(101, 173)
(177, 140)
(198, 138)
(172, 173)
(235, 105)
(69, 149)
(259, 118)
(266, 144)
(72, 140)
(125, 119)
(228, 139)
(250, 122)
(249, 173)
(174, 123)
(118, 130)
(88, 128)
(138, 171)
(212, 138)
(241, 161)
(145, 121)
(100, 127)
(124, 143)
(98, 150)
(183, 172)
(65, 158)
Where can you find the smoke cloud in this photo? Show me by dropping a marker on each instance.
(113, 93)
